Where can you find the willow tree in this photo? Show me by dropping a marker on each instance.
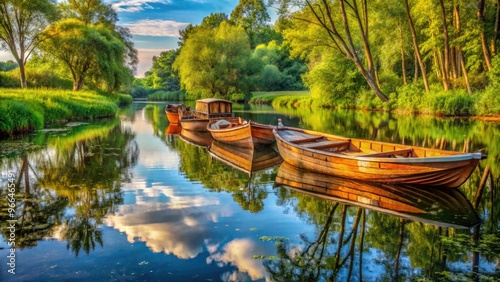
(345, 24)
(21, 23)
(86, 49)
(216, 62)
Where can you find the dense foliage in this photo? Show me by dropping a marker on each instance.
(77, 40)
(24, 110)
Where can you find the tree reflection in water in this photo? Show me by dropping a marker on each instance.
(84, 173)
(346, 237)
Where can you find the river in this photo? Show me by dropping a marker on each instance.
(134, 199)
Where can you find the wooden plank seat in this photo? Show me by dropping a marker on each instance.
(406, 152)
(326, 144)
(304, 139)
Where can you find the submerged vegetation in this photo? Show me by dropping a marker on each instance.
(30, 109)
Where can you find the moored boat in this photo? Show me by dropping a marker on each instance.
(374, 161)
(248, 160)
(205, 110)
(172, 111)
(239, 132)
(433, 205)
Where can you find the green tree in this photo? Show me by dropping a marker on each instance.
(280, 71)
(8, 65)
(161, 74)
(86, 49)
(216, 62)
(253, 17)
(21, 23)
(344, 27)
(88, 42)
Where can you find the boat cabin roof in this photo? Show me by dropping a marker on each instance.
(213, 105)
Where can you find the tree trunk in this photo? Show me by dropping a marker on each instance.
(484, 44)
(78, 83)
(323, 14)
(22, 75)
(459, 54)
(496, 30)
(446, 51)
(401, 40)
(417, 49)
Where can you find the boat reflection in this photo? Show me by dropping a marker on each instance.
(432, 205)
(248, 160)
(173, 128)
(196, 138)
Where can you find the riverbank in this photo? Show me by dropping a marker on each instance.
(459, 103)
(23, 110)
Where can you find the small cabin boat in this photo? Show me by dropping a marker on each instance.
(205, 110)
(239, 132)
(374, 161)
(432, 205)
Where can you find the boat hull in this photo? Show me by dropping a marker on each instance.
(172, 117)
(172, 112)
(446, 170)
(248, 135)
(194, 124)
(432, 205)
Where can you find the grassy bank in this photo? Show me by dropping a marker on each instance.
(31, 109)
(408, 100)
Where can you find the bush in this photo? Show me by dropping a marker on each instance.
(456, 103)
(409, 98)
(161, 95)
(29, 109)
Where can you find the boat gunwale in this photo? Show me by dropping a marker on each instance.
(453, 157)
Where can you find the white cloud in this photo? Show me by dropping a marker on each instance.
(6, 56)
(156, 28)
(132, 6)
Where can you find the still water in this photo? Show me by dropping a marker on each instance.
(136, 199)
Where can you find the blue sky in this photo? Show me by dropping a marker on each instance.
(155, 24)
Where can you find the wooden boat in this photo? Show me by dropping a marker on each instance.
(205, 110)
(248, 160)
(434, 205)
(239, 132)
(196, 138)
(374, 161)
(172, 111)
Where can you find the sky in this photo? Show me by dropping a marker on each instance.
(155, 24)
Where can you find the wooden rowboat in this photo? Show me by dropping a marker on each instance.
(433, 205)
(374, 161)
(239, 132)
(248, 160)
(172, 111)
(205, 111)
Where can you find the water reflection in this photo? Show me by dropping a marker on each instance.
(67, 189)
(443, 207)
(132, 198)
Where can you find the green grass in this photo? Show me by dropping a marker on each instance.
(30, 109)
